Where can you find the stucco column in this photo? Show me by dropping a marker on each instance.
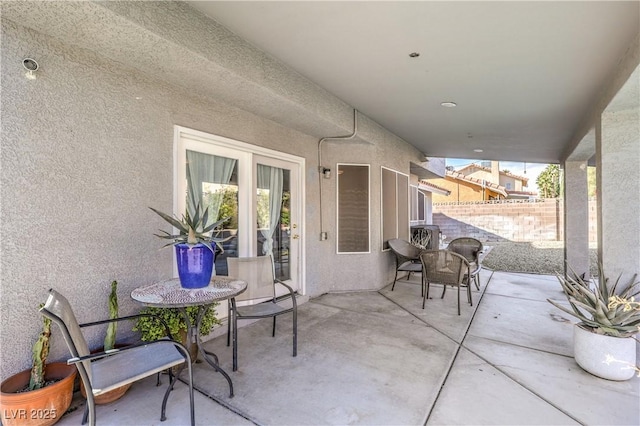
(576, 218)
(618, 177)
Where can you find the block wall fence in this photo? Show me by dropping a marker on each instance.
(508, 220)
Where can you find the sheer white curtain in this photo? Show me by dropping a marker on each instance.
(211, 169)
(270, 178)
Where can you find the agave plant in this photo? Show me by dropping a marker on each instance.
(603, 308)
(193, 227)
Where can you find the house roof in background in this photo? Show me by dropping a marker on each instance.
(477, 182)
(524, 179)
(432, 187)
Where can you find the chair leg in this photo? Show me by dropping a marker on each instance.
(273, 333)
(228, 323)
(427, 281)
(86, 414)
(444, 289)
(234, 319)
(90, 407)
(476, 280)
(394, 281)
(458, 300)
(91, 404)
(425, 295)
(295, 332)
(191, 397)
(172, 382)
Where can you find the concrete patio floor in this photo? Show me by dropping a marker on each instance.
(378, 358)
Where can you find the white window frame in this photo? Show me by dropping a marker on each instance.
(382, 240)
(368, 208)
(414, 201)
(241, 150)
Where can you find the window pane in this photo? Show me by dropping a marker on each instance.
(213, 181)
(273, 203)
(402, 182)
(353, 208)
(389, 211)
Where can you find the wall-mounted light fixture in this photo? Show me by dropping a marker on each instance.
(326, 172)
(31, 66)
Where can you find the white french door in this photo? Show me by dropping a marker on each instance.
(260, 191)
(277, 215)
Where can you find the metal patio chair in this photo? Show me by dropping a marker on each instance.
(259, 274)
(447, 268)
(470, 249)
(407, 258)
(104, 371)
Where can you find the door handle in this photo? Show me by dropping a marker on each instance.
(295, 236)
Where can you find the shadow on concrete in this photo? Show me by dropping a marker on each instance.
(454, 228)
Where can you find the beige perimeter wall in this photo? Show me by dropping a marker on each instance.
(508, 220)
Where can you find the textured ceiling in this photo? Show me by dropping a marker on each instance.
(523, 74)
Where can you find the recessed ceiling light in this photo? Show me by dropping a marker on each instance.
(477, 150)
(414, 54)
(448, 104)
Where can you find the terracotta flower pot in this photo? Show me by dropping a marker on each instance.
(112, 395)
(41, 407)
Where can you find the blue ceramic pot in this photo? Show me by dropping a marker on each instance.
(195, 265)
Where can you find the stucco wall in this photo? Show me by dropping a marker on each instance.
(87, 147)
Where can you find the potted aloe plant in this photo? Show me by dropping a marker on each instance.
(41, 395)
(194, 244)
(604, 342)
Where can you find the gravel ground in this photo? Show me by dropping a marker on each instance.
(537, 257)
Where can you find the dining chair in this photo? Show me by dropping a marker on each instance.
(447, 268)
(470, 249)
(407, 258)
(261, 297)
(104, 371)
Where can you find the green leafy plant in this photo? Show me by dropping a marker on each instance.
(602, 308)
(193, 228)
(110, 338)
(152, 329)
(39, 354)
(548, 181)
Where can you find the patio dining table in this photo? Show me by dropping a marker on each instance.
(170, 294)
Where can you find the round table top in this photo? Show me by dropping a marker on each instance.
(170, 294)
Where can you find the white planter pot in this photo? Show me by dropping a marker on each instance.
(604, 356)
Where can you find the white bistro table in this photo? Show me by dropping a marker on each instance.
(170, 294)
